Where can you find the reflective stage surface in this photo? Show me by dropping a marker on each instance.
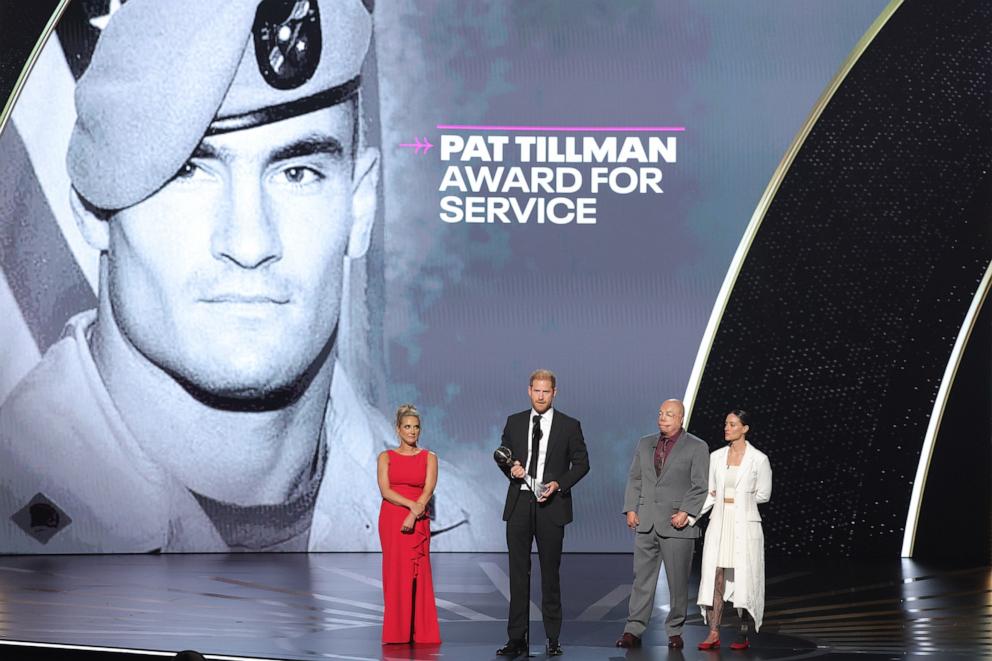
(329, 606)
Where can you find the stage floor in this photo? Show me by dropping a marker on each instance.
(329, 606)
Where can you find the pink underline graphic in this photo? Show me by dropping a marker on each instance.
(550, 129)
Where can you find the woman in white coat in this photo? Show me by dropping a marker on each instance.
(734, 549)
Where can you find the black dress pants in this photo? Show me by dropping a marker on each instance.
(528, 521)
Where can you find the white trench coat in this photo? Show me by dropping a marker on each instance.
(754, 485)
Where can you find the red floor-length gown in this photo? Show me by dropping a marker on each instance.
(407, 586)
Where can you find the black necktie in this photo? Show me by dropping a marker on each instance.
(535, 446)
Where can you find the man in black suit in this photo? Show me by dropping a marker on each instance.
(548, 449)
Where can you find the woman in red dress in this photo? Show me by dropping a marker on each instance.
(407, 477)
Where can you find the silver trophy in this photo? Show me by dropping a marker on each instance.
(504, 457)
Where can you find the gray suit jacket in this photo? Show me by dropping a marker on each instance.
(681, 485)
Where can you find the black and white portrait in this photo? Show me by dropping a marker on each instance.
(211, 216)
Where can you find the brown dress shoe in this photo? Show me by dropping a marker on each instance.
(628, 640)
(675, 642)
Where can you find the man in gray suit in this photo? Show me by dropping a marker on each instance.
(666, 488)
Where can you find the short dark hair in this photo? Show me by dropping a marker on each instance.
(189, 655)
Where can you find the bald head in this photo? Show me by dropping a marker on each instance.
(671, 413)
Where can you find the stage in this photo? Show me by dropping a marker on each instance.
(329, 606)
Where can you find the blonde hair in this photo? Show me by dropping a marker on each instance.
(543, 375)
(406, 411)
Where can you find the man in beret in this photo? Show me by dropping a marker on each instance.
(218, 164)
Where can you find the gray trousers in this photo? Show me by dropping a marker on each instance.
(650, 551)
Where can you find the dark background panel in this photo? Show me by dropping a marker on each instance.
(955, 522)
(21, 24)
(77, 33)
(845, 311)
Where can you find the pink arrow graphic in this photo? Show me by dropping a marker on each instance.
(417, 145)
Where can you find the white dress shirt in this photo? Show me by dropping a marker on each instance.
(543, 449)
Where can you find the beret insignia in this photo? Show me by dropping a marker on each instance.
(287, 41)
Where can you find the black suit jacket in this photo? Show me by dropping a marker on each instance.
(566, 462)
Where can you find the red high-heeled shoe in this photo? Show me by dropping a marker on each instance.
(737, 645)
(715, 645)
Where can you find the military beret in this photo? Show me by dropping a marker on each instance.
(166, 73)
